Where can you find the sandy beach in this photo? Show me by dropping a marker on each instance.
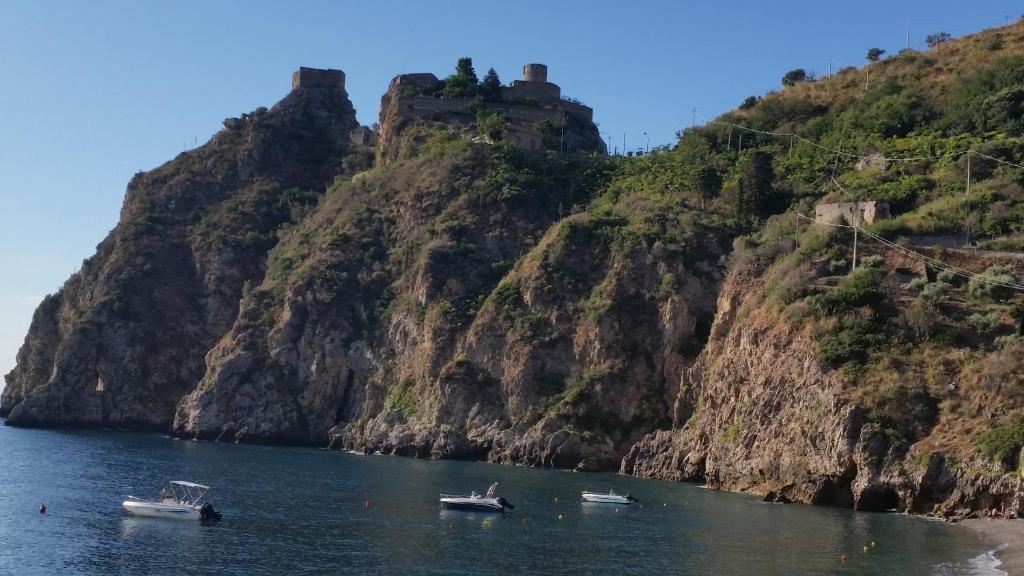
(1008, 532)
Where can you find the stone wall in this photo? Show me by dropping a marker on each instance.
(854, 213)
(544, 93)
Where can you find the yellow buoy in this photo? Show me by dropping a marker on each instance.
(865, 549)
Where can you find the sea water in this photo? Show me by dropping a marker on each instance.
(309, 511)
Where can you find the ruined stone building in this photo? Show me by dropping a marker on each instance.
(854, 213)
(537, 115)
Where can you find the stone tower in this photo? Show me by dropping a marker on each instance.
(318, 78)
(535, 73)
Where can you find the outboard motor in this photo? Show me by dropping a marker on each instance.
(208, 514)
(631, 498)
(505, 503)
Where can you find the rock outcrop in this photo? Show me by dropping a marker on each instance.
(126, 336)
(758, 413)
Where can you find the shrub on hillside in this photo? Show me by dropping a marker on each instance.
(935, 292)
(861, 288)
(985, 323)
(849, 341)
(1003, 444)
(990, 284)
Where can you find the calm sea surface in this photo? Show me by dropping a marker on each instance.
(304, 511)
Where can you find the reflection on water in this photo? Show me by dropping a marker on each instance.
(308, 511)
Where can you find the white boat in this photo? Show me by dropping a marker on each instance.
(610, 498)
(180, 500)
(486, 503)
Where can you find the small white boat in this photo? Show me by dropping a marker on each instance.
(180, 501)
(610, 498)
(486, 503)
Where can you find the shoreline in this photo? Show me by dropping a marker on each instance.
(1008, 535)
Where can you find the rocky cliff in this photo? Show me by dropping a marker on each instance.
(125, 338)
(440, 307)
(759, 411)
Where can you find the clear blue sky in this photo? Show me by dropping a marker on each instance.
(93, 91)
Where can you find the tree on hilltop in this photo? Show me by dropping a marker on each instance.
(875, 54)
(934, 40)
(463, 83)
(794, 77)
(490, 86)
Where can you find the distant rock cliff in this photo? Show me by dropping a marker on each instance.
(125, 338)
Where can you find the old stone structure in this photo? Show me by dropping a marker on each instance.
(537, 115)
(854, 213)
(317, 78)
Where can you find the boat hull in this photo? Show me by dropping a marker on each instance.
(606, 498)
(160, 510)
(477, 505)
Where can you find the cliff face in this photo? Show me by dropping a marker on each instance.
(441, 307)
(758, 412)
(125, 337)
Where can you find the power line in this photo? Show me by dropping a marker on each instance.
(834, 150)
(918, 256)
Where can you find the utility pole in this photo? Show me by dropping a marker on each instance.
(908, 33)
(623, 142)
(968, 193)
(647, 149)
(829, 67)
(693, 118)
(856, 228)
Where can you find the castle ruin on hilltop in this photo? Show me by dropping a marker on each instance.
(318, 78)
(536, 115)
(532, 113)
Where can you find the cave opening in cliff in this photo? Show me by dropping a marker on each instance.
(878, 499)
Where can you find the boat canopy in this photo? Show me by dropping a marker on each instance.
(189, 484)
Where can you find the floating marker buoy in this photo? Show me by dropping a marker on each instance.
(865, 549)
(872, 543)
(843, 559)
(366, 504)
(663, 504)
(556, 498)
(42, 508)
(559, 516)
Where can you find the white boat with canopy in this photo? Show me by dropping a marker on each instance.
(486, 503)
(610, 498)
(180, 500)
